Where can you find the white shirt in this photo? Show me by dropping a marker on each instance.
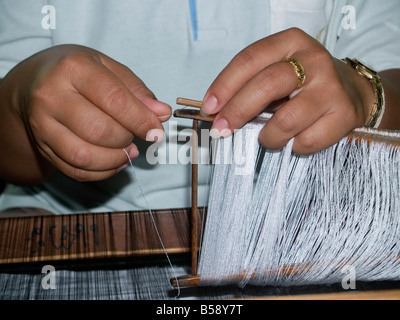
(156, 39)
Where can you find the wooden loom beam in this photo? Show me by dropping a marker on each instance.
(91, 236)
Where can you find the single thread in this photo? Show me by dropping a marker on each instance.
(206, 196)
(154, 223)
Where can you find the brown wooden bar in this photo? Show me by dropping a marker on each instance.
(93, 235)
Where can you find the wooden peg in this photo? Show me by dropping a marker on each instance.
(189, 102)
(192, 114)
(194, 211)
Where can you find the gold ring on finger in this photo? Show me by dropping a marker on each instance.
(299, 70)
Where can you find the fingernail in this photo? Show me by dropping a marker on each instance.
(209, 106)
(133, 152)
(155, 135)
(164, 117)
(203, 114)
(220, 128)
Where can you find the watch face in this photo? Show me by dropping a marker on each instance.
(362, 65)
(362, 69)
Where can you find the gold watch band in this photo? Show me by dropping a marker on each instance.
(378, 109)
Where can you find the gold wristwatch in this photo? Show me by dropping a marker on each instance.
(378, 109)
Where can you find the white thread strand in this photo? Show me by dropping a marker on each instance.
(315, 215)
(154, 223)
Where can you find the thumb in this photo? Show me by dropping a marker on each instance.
(161, 109)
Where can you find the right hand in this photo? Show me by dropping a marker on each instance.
(81, 108)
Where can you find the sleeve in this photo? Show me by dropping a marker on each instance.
(21, 31)
(369, 30)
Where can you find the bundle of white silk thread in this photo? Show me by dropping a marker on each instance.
(276, 218)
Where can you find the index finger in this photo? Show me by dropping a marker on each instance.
(250, 61)
(104, 89)
(273, 83)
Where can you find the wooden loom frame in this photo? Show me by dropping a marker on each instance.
(78, 237)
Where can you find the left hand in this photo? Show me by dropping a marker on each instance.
(333, 100)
